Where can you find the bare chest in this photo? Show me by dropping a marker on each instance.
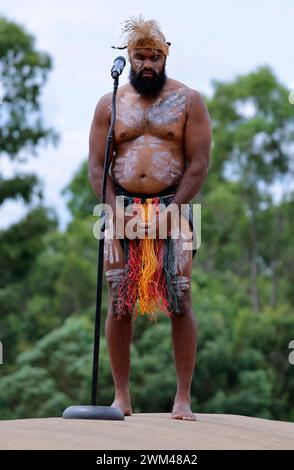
(165, 118)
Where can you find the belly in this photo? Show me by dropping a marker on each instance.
(147, 166)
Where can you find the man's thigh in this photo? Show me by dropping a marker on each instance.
(113, 262)
(183, 260)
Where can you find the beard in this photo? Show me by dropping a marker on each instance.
(148, 86)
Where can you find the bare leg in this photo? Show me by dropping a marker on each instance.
(119, 336)
(118, 332)
(184, 336)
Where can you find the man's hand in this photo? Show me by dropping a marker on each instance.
(124, 227)
(160, 226)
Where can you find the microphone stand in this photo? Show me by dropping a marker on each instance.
(93, 411)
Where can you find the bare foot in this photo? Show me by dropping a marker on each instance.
(182, 410)
(123, 402)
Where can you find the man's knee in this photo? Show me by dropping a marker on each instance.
(113, 310)
(113, 277)
(183, 292)
(186, 312)
(185, 301)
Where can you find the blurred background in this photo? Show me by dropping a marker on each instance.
(55, 62)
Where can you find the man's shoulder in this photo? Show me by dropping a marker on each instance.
(104, 100)
(171, 83)
(107, 98)
(103, 106)
(192, 94)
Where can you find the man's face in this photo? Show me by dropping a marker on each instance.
(147, 74)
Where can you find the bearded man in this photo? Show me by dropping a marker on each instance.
(160, 158)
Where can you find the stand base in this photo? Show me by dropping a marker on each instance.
(93, 412)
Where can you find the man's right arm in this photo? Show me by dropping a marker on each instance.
(97, 143)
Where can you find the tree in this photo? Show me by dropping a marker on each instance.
(253, 130)
(23, 72)
(79, 195)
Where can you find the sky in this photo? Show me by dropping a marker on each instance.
(210, 40)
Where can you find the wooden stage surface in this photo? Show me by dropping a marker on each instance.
(148, 431)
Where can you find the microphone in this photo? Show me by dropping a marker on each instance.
(118, 66)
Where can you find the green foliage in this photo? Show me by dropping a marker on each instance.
(24, 71)
(80, 197)
(153, 379)
(29, 392)
(22, 242)
(20, 186)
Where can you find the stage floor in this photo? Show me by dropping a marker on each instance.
(148, 431)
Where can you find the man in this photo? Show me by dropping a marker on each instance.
(161, 150)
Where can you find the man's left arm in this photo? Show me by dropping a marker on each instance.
(197, 142)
